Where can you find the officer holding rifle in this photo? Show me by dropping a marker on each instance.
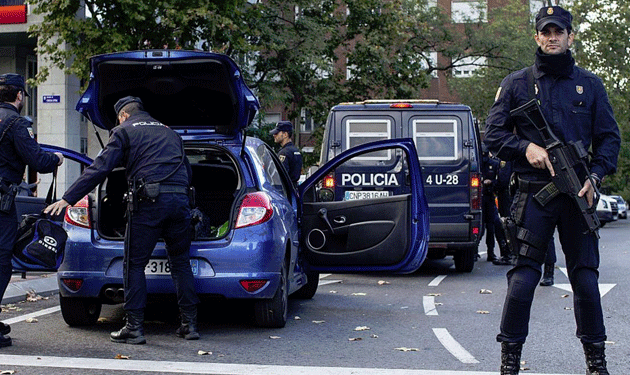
(576, 108)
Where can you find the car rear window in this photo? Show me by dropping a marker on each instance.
(436, 139)
(361, 131)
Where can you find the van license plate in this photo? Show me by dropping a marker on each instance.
(162, 267)
(355, 195)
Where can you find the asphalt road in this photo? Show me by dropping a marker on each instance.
(435, 321)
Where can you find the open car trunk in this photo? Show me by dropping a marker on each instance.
(217, 182)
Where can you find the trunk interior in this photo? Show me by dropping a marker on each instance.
(215, 178)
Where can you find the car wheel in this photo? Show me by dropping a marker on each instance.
(272, 313)
(80, 311)
(308, 290)
(465, 259)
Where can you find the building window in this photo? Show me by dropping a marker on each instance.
(84, 146)
(463, 11)
(466, 67)
(306, 121)
(31, 72)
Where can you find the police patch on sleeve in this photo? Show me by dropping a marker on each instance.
(498, 95)
(282, 157)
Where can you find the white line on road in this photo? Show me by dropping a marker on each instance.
(429, 305)
(211, 368)
(453, 346)
(22, 318)
(437, 280)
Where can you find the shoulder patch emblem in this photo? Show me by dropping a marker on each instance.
(282, 157)
(579, 89)
(30, 132)
(498, 95)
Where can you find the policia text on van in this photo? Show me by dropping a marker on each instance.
(448, 144)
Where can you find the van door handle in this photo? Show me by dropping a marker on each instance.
(340, 220)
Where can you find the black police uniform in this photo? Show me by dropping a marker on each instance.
(150, 151)
(17, 150)
(490, 166)
(291, 160)
(576, 107)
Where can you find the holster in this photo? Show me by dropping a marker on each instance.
(509, 228)
(7, 195)
(149, 191)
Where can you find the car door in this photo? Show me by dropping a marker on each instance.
(26, 204)
(380, 229)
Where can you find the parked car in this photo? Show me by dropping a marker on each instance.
(622, 206)
(449, 149)
(258, 236)
(607, 210)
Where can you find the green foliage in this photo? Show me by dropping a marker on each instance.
(510, 45)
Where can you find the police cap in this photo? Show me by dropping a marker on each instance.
(13, 80)
(120, 104)
(556, 15)
(282, 126)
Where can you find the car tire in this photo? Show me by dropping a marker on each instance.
(272, 313)
(465, 259)
(308, 290)
(80, 311)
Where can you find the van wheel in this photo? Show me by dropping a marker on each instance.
(272, 313)
(308, 290)
(80, 311)
(465, 259)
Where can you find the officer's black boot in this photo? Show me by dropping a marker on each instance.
(5, 341)
(132, 332)
(491, 256)
(511, 358)
(188, 328)
(547, 279)
(5, 329)
(595, 359)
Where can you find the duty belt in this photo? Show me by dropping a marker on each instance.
(175, 189)
(544, 191)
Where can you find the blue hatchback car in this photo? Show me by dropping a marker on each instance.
(256, 236)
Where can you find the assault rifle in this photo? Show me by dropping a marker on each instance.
(564, 158)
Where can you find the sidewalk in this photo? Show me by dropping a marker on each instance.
(42, 283)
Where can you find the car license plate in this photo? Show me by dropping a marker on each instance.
(162, 267)
(355, 195)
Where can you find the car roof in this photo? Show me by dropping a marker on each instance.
(183, 89)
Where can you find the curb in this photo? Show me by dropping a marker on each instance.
(18, 289)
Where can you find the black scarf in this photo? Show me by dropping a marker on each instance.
(557, 65)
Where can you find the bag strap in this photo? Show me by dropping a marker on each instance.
(52, 190)
(531, 84)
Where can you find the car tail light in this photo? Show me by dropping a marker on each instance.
(329, 182)
(401, 105)
(73, 284)
(255, 209)
(79, 214)
(475, 191)
(253, 285)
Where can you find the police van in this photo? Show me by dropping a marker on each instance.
(449, 148)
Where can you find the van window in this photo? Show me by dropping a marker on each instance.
(363, 131)
(436, 139)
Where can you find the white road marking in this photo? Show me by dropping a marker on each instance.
(429, 305)
(326, 282)
(603, 288)
(437, 280)
(453, 346)
(22, 318)
(130, 365)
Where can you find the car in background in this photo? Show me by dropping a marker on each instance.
(607, 209)
(257, 237)
(622, 206)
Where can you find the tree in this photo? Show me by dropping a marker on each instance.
(510, 37)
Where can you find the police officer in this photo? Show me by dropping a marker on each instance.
(576, 106)
(17, 150)
(289, 154)
(159, 172)
(490, 166)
